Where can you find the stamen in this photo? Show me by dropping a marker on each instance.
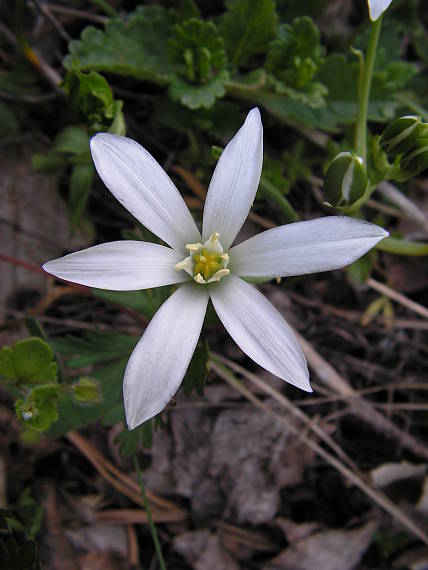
(206, 263)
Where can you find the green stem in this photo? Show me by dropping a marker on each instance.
(149, 516)
(364, 91)
(272, 192)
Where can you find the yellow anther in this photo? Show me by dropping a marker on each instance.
(206, 262)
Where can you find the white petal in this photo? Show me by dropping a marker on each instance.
(234, 183)
(377, 7)
(139, 183)
(259, 330)
(120, 266)
(305, 247)
(160, 359)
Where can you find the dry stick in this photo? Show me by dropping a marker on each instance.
(379, 497)
(119, 480)
(360, 407)
(395, 296)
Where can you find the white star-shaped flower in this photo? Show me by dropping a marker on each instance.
(377, 8)
(205, 266)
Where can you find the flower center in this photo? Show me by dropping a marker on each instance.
(207, 262)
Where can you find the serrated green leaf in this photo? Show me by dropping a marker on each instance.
(134, 48)
(294, 58)
(187, 9)
(36, 415)
(197, 96)
(247, 28)
(28, 361)
(198, 51)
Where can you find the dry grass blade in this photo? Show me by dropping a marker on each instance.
(360, 407)
(398, 297)
(120, 481)
(290, 407)
(137, 516)
(377, 496)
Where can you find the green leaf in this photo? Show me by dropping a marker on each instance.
(188, 9)
(28, 361)
(198, 51)
(197, 96)
(359, 271)
(197, 373)
(38, 416)
(94, 348)
(48, 163)
(72, 416)
(8, 120)
(145, 301)
(134, 48)
(293, 60)
(247, 28)
(71, 140)
(403, 247)
(81, 179)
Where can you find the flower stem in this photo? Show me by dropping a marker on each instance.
(149, 517)
(364, 91)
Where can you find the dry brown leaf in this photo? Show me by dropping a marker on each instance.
(331, 549)
(99, 561)
(296, 531)
(234, 464)
(203, 550)
(414, 559)
(33, 226)
(389, 473)
(100, 538)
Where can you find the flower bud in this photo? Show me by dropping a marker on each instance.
(86, 391)
(345, 181)
(400, 135)
(416, 160)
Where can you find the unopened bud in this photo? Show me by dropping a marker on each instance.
(86, 391)
(416, 160)
(345, 181)
(400, 135)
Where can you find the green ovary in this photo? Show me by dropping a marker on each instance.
(206, 263)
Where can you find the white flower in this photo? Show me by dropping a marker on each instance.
(205, 266)
(377, 8)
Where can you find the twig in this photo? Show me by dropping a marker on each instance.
(376, 495)
(44, 9)
(31, 99)
(120, 481)
(395, 296)
(77, 14)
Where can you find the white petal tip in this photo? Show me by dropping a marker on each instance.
(254, 117)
